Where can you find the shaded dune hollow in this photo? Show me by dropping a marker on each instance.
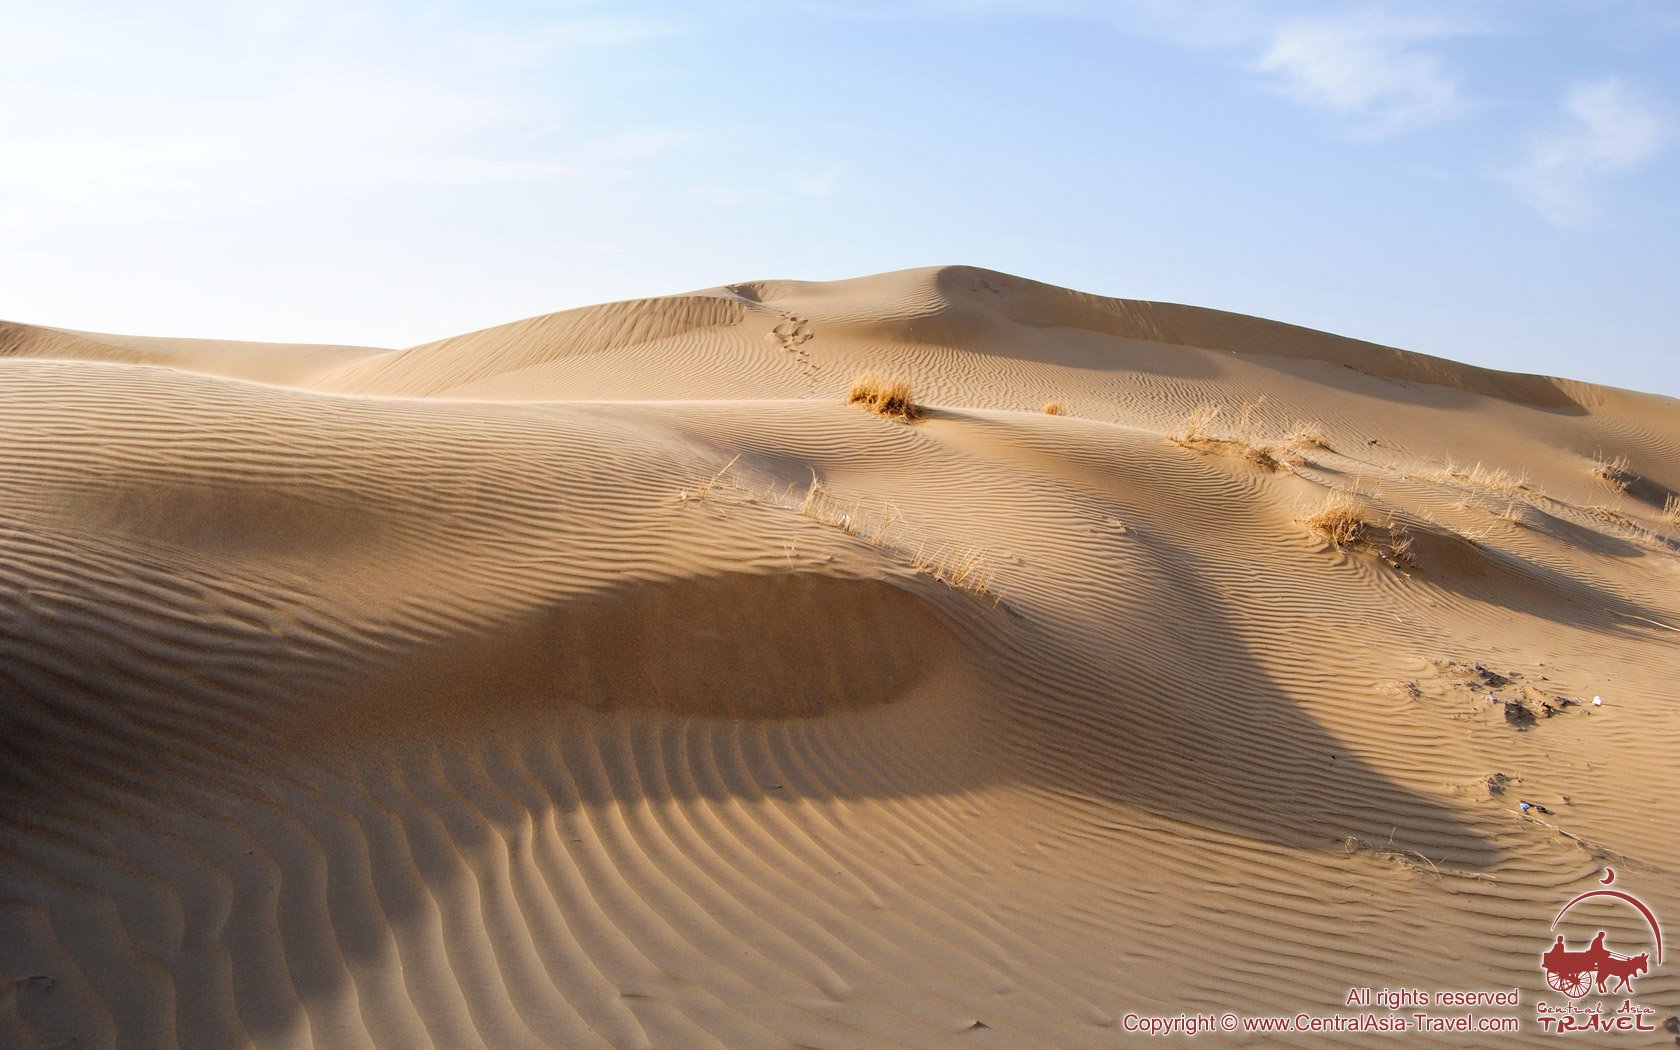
(608, 679)
(763, 646)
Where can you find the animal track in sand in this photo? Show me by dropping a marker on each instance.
(791, 334)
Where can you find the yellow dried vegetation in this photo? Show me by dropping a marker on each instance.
(1198, 433)
(1613, 471)
(965, 566)
(884, 396)
(1348, 523)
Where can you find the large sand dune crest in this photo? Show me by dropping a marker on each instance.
(604, 679)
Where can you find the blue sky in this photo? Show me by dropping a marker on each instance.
(1490, 181)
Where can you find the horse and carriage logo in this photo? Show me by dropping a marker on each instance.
(1579, 972)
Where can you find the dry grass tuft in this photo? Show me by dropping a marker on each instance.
(1624, 527)
(1261, 457)
(1197, 424)
(1609, 514)
(1397, 549)
(1245, 421)
(1055, 408)
(704, 490)
(1487, 479)
(1341, 519)
(1198, 434)
(1511, 512)
(1671, 510)
(884, 397)
(1493, 491)
(1346, 522)
(1613, 472)
(963, 566)
(1305, 434)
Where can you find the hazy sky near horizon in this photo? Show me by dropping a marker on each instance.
(1489, 181)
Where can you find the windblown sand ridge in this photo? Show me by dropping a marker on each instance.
(604, 679)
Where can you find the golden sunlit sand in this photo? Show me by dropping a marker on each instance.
(608, 679)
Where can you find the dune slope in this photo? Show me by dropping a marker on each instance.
(604, 679)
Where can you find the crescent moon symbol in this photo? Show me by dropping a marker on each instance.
(1656, 931)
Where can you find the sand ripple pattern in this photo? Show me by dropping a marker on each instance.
(481, 694)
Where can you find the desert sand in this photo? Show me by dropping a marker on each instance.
(607, 679)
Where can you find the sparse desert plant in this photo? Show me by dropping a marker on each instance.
(1245, 421)
(1671, 510)
(1346, 521)
(883, 396)
(1625, 527)
(1488, 479)
(1307, 434)
(1341, 519)
(1261, 457)
(1511, 512)
(850, 517)
(705, 489)
(1396, 548)
(1198, 434)
(1610, 514)
(1613, 472)
(1197, 424)
(1055, 408)
(963, 566)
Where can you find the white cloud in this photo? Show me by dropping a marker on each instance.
(1606, 129)
(1371, 65)
(1367, 66)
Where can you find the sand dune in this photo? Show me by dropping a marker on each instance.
(604, 679)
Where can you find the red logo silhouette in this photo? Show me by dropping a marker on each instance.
(1575, 973)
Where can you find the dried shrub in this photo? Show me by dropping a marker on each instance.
(1197, 424)
(883, 396)
(1307, 434)
(1341, 519)
(1487, 479)
(1197, 433)
(1613, 472)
